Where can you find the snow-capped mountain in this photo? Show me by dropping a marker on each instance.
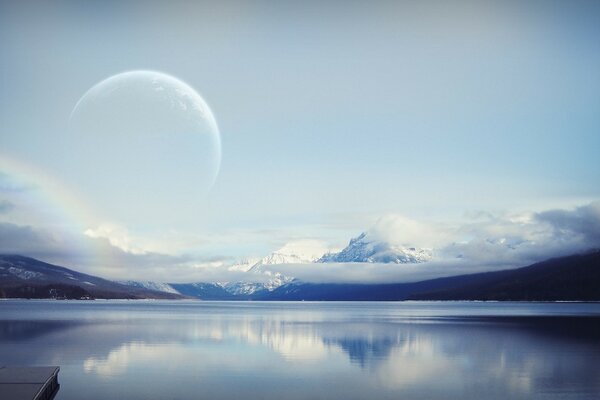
(364, 249)
(262, 273)
(272, 282)
(201, 290)
(297, 252)
(258, 280)
(245, 288)
(283, 257)
(263, 276)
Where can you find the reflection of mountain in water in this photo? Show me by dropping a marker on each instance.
(365, 351)
(273, 350)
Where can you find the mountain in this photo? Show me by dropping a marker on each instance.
(30, 278)
(364, 249)
(204, 290)
(360, 249)
(572, 278)
(244, 288)
(263, 275)
(288, 255)
(264, 278)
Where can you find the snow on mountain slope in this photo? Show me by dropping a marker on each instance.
(202, 290)
(244, 288)
(21, 273)
(363, 249)
(297, 252)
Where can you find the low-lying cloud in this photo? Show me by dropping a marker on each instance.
(374, 272)
(397, 229)
(97, 255)
(484, 242)
(583, 223)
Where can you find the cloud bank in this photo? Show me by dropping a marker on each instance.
(98, 256)
(484, 242)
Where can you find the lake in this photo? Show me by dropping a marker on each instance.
(303, 350)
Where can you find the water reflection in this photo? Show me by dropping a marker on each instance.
(365, 351)
(312, 351)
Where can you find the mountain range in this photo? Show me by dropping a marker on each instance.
(571, 278)
(361, 249)
(263, 276)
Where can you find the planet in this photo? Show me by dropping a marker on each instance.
(144, 135)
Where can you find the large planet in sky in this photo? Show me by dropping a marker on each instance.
(145, 135)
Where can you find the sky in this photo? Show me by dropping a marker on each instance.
(461, 123)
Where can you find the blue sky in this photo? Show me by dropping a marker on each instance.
(332, 114)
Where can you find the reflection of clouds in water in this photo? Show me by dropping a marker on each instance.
(116, 361)
(297, 343)
(431, 358)
(294, 346)
(406, 367)
(393, 355)
(393, 358)
(291, 341)
(307, 348)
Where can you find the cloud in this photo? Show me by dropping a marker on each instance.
(18, 239)
(116, 235)
(486, 242)
(98, 256)
(398, 229)
(92, 255)
(520, 239)
(582, 222)
(306, 248)
(373, 272)
(6, 206)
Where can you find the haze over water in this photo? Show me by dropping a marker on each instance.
(237, 350)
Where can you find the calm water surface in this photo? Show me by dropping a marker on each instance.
(253, 350)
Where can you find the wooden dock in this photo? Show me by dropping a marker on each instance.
(28, 383)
